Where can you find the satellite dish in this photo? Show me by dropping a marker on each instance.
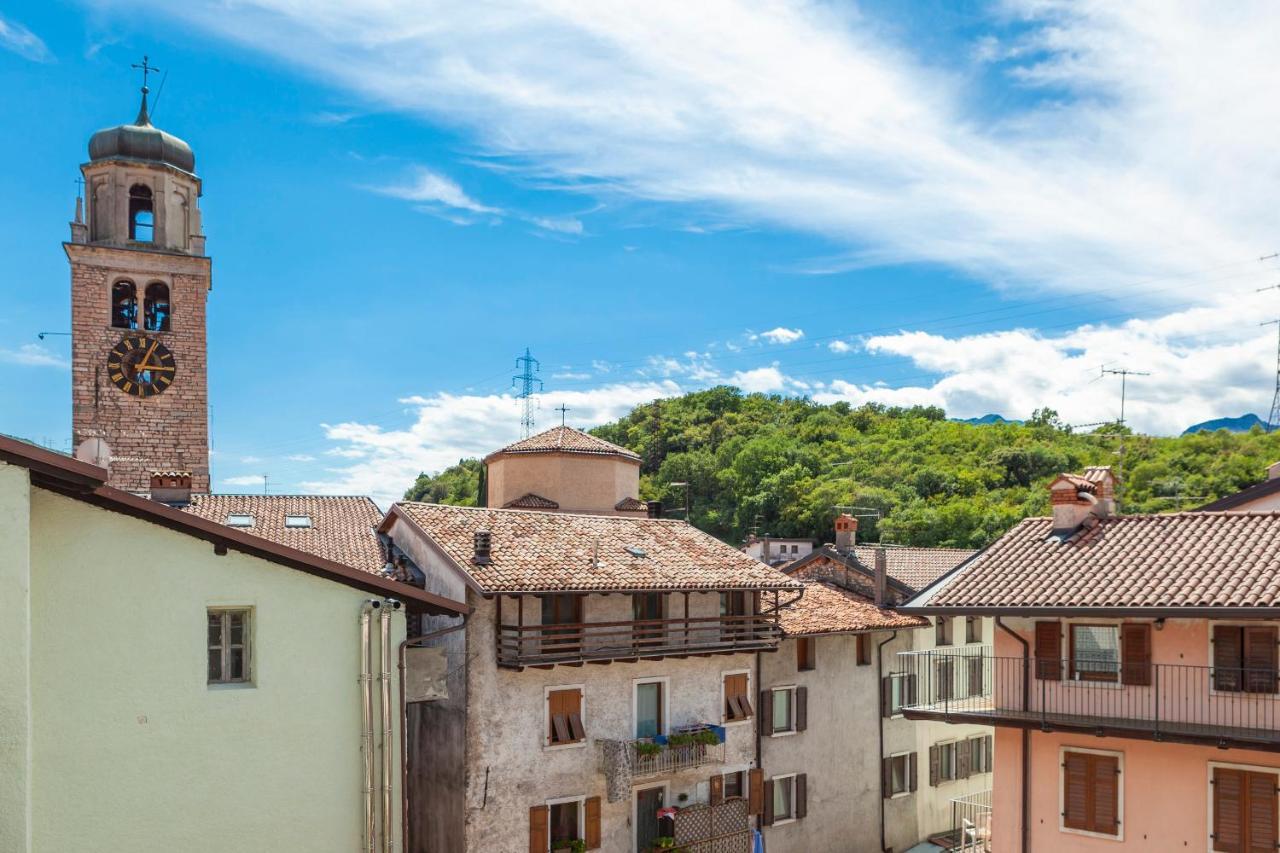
(94, 451)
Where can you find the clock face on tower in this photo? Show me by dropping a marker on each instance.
(141, 366)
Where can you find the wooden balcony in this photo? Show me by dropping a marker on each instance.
(522, 646)
(1217, 706)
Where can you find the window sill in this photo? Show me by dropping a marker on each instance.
(784, 822)
(1119, 836)
(783, 734)
(731, 723)
(900, 795)
(232, 685)
(552, 747)
(1081, 683)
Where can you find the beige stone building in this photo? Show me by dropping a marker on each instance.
(565, 470)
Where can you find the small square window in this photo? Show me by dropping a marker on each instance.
(564, 717)
(806, 654)
(735, 784)
(297, 521)
(239, 519)
(863, 649)
(737, 701)
(229, 646)
(784, 798)
(942, 631)
(783, 719)
(899, 774)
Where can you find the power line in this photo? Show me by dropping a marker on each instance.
(528, 366)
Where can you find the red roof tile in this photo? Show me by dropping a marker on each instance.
(631, 505)
(1176, 560)
(531, 501)
(566, 439)
(826, 608)
(342, 527)
(550, 551)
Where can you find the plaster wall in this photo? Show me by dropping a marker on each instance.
(16, 769)
(133, 749)
(1266, 503)
(509, 768)
(1164, 787)
(839, 750)
(579, 482)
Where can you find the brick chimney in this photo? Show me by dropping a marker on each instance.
(846, 531)
(881, 577)
(171, 487)
(1078, 497)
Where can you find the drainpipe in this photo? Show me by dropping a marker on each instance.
(884, 848)
(759, 686)
(404, 722)
(384, 714)
(1026, 733)
(366, 719)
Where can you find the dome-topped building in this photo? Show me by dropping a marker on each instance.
(143, 142)
(566, 470)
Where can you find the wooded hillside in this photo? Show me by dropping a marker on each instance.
(782, 465)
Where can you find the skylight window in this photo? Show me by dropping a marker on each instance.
(636, 552)
(239, 519)
(297, 521)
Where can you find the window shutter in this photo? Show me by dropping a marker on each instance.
(1135, 653)
(886, 777)
(1075, 792)
(975, 675)
(946, 679)
(1260, 659)
(1228, 810)
(1228, 652)
(755, 791)
(593, 823)
(935, 765)
(886, 696)
(963, 753)
(717, 789)
(767, 818)
(766, 712)
(1048, 651)
(912, 695)
(1106, 793)
(802, 708)
(576, 730)
(912, 773)
(802, 795)
(1264, 834)
(539, 837)
(989, 754)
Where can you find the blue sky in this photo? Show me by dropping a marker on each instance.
(974, 205)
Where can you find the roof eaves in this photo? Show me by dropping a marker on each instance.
(1244, 496)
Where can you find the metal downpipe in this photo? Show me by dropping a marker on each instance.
(366, 720)
(884, 848)
(1026, 733)
(384, 714)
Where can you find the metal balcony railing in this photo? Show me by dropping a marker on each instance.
(548, 645)
(1224, 706)
(672, 759)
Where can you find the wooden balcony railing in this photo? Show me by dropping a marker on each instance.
(548, 645)
(1222, 706)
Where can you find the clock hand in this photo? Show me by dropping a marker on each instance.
(150, 350)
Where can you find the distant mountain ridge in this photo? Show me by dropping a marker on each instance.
(1244, 423)
(990, 418)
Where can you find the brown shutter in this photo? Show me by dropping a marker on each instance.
(975, 675)
(935, 765)
(912, 773)
(912, 694)
(1264, 833)
(802, 795)
(802, 708)
(1228, 810)
(1260, 659)
(538, 833)
(990, 758)
(946, 679)
(755, 791)
(1106, 793)
(962, 754)
(886, 777)
(593, 823)
(886, 696)
(767, 818)
(766, 712)
(1228, 653)
(1135, 653)
(1048, 651)
(1075, 791)
(717, 789)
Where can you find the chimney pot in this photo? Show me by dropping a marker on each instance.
(171, 487)
(846, 531)
(654, 508)
(881, 577)
(483, 542)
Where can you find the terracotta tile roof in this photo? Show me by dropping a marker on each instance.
(566, 439)
(1081, 483)
(531, 501)
(826, 608)
(631, 505)
(914, 567)
(342, 527)
(1177, 560)
(537, 551)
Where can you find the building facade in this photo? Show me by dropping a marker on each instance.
(1133, 678)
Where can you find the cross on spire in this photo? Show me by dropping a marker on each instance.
(146, 68)
(562, 409)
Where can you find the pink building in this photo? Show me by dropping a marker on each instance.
(1133, 680)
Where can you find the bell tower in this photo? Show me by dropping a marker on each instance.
(139, 282)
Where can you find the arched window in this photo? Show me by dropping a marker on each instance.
(124, 305)
(141, 216)
(156, 313)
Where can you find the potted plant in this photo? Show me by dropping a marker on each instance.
(569, 845)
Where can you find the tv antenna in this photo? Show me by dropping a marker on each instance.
(524, 380)
(1124, 373)
(1273, 419)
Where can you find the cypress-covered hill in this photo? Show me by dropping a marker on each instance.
(781, 466)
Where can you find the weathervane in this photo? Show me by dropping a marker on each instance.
(146, 68)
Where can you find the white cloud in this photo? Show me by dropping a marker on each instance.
(243, 480)
(840, 346)
(570, 375)
(301, 457)
(17, 38)
(561, 225)
(1149, 153)
(762, 380)
(439, 195)
(781, 335)
(33, 355)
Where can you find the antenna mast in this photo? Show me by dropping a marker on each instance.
(1273, 419)
(524, 380)
(1124, 373)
